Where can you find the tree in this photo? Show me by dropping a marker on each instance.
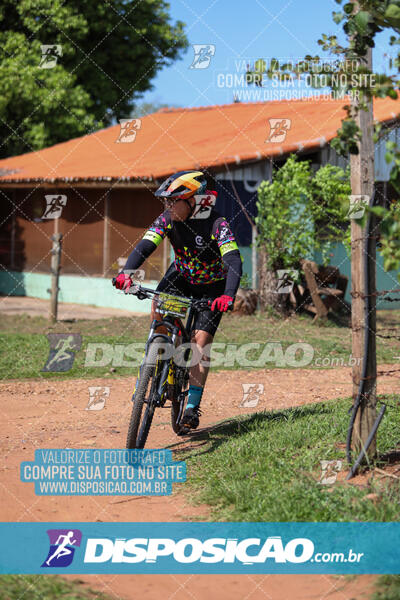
(390, 236)
(348, 77)
(298, 214)
(111, 51)
(352, 74)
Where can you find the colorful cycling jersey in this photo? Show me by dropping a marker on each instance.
(199, 245)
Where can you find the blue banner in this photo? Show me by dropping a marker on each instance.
(209, 548)
(103, 472)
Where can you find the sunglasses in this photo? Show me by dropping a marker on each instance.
(169, 202)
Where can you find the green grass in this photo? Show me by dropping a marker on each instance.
(44, 587)
(266, 466)
(387, 588)
(24, 346)
(23, 356)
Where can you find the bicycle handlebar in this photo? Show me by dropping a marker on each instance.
(144, 293)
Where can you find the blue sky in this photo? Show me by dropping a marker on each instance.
(243, 31)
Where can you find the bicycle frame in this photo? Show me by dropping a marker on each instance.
(176, 329)
(167, 372)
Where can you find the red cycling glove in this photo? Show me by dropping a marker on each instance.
(123, 282)
(222, 303)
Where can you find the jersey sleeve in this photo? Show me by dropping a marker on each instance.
(159, 228)
(149, 242)
(223, 235)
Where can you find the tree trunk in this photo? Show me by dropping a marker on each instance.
(268, 286)
(362, 183)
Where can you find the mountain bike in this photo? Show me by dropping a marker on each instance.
(164, 372)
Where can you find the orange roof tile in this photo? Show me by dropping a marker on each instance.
(186, 138)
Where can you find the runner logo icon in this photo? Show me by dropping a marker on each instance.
(62, 351)
(62, 547)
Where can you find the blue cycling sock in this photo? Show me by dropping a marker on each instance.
(194, 397)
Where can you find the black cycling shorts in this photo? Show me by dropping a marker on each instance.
(173, 282)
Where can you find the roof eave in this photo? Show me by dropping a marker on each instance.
(144, 182)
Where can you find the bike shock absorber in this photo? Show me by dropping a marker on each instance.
(171, 374)
(171, 381)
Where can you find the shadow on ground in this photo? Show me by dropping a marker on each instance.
(211, 438)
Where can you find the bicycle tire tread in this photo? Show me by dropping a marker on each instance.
(147, 371)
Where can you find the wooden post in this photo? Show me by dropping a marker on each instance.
(55, 274)
(106, 233)
(362, 183)
(13, 226)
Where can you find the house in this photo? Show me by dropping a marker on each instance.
(102, 185)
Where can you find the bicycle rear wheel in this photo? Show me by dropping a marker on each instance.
(140, 421)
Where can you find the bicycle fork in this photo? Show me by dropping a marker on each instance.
(167, 369)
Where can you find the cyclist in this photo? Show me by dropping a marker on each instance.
(207, 264)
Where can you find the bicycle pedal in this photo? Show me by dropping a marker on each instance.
(182, 432)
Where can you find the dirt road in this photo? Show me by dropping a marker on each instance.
(231, 587)
(37, 307)
(51, 414)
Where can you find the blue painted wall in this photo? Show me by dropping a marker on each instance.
(384, 280)
(94, 291)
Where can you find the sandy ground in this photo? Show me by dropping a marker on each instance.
(37, 307)
(51, 414)
(231, 587)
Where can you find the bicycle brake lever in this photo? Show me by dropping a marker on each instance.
(140, 294)
(133, 289)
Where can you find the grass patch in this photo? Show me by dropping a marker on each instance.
(23, 356)
(24, 346)
(387, 588)
(266, 466)
(44, 587)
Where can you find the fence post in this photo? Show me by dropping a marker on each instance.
(55, 274)
(106, 233)
(362, 183)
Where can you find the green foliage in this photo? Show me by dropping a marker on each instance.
(348, 75)
(348, 136)
(361, 21)
(284, 224)
(148, 108)
(110, 53)
(388, 588)
(245, 281)
(361, 27)
(299, 213)
(390, 236)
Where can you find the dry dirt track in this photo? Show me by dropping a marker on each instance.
(231, 587)
(44, 414)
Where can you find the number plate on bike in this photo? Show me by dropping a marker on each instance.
(172, 304)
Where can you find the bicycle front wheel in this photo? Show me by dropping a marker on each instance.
(140, 422)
